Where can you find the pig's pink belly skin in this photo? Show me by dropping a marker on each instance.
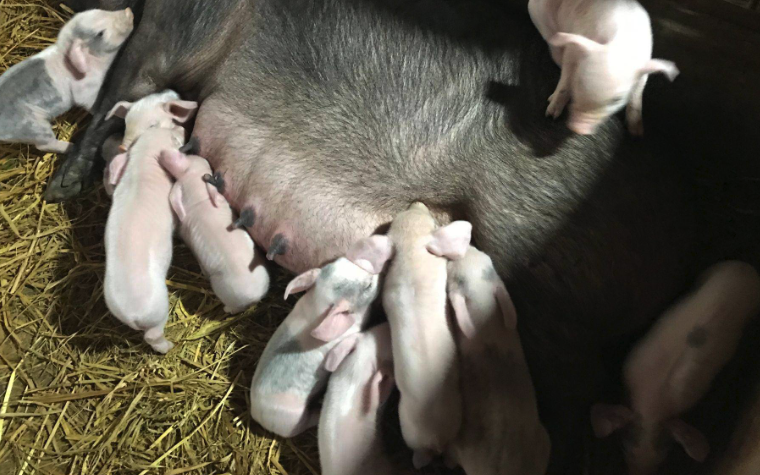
(318, 219)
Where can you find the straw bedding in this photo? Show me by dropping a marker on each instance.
(82, 394)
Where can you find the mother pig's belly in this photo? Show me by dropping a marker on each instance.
(297, 206)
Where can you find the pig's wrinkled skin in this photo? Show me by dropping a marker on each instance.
(227, 255)
(673, 367)
(501, 431)
(349, 424)
(140, 227)
(67, 74)
(367, 112)
(295, 364)
(604, 48)
(414, 298)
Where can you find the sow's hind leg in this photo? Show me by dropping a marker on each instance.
(176, 45)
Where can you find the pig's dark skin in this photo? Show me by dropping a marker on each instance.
(111, 5)
(328, 117)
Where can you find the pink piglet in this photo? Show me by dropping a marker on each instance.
(226, 254)
(140, 226)
(604, 48)
(414, 298)
(350, 442)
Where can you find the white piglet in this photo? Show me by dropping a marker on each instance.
(349, 436)
(672, 368)
(295, 364)
(604, 48)
(497, 391)
(62, 76)
(226, 253)
(140, 227)
(414, 298)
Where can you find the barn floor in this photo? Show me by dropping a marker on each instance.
(81, 394)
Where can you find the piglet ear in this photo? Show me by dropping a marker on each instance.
(336, 356)
(182, 111)
(586, 45)
(214, 195)
(371, 253)
(379, 390)
(119, 110)
(337, 322)
(608, 418)
(451, 241)
(462, 314)
(653, 66)
(302, 282)
(116, 168)
(174, 161)
(507, 307)
(690, 438)
(175, 199)
(77, 57)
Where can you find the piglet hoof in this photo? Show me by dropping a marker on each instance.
(233, 310)
(74, 176)
(636, 128)
(163, 346)
(156, 339)
(554, 110)
(422, 458)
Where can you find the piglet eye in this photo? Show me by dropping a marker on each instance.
(101, 33)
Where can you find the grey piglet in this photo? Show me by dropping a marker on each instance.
(311, 341)
(501, 432)
(66, 74)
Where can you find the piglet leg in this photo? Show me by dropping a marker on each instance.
(633, 113)
(561, 96)
(156, 339)
(54, 146)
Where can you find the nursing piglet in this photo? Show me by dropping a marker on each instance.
(501, 432)
(414, 298)
(349, 437)
(62, 76)
(226, 254)
(295, 364)
(140, 224)
(673, 367)
(604, 48)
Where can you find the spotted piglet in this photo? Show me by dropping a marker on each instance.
(497, 392)
(604, 48)
(226, 254)
(414, 298)
(672, 368)
(62, 76)
(310, 342)
(140, 226)
(349, 437)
